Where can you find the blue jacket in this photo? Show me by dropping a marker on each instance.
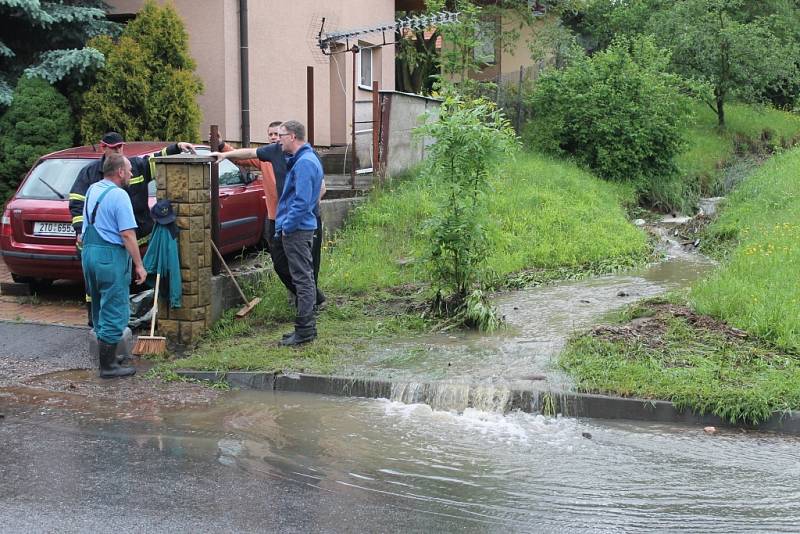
(298, 202)
(162, 257)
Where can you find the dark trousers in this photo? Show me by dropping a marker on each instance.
(281, 264)
(297, 247)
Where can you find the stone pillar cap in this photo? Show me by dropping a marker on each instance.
(185, 158)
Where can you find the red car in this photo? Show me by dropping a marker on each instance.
(37, 241)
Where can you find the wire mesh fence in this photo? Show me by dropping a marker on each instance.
(508, 91)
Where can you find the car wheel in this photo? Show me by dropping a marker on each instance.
(21, 279)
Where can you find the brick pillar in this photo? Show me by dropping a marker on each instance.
(185, 180)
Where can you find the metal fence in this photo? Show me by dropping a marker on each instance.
(508, 91)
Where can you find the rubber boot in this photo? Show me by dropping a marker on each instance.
(123, 350)
(109, 368)
(305, 330)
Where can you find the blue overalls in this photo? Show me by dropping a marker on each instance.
(107, 274)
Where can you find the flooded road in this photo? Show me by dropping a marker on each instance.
(294, 462)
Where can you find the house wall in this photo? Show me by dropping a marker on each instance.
(282, 43)
(520, 56)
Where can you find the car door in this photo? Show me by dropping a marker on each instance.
(241, 208)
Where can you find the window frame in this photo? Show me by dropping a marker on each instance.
(365, 48)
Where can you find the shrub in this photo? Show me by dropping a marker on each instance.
(617, 113)
(37, 122)
(148, 88)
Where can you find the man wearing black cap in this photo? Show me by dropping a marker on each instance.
(143, 172)
(143, 169)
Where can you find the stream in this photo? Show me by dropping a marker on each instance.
(467, 369)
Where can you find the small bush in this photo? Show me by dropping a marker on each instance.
(619, 114)
(37, 122)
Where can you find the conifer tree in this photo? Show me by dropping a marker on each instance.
(27, 131)
(47, 39)
(147, 89)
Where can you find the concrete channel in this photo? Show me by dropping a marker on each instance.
(529, 400)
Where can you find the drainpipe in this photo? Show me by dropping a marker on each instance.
(244, 70)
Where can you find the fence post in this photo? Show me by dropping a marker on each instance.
(519, 99)
(185, 180)
(376, 126)
(214, 141)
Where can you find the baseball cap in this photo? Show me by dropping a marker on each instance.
(112, 140)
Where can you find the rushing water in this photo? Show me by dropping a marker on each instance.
(474, 471)
(539, 323)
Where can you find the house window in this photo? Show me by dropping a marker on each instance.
(365, 68)
(485, 51)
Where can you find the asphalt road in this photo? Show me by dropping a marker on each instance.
(64, 473)
(30, 349)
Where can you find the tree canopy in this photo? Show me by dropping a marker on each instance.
(732, 48)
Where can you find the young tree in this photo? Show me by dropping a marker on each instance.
(37, 122)
(48, 40)
(471, 137)
(148, 88)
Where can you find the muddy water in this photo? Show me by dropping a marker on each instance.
(540, 320)
(301, 462)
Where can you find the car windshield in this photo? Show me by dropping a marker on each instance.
(52, 179)
(229, 173)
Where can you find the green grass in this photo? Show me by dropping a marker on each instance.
(345, 328)
(710, 150)
(699, 369)
(758, 234)
(545, 215)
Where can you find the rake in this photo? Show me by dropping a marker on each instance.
(151, 344)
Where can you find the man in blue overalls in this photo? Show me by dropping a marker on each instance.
(109, 244)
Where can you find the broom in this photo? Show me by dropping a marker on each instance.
(151, 344)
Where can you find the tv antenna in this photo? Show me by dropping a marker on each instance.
(327, 41)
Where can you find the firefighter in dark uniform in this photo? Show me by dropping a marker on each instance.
(143, 170)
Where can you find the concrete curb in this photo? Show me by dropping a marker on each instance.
(568, 404)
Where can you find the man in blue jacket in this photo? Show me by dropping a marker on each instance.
(295, 224)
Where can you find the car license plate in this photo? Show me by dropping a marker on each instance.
(53, 228)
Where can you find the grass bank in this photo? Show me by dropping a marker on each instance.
(549, 220)
(660, 350)
(545, 214)
(735, 351)
(758, 236)
(712, 156)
